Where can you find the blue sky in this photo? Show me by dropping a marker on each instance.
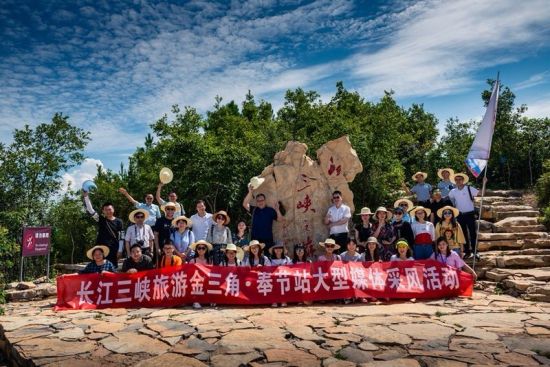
(115, 67)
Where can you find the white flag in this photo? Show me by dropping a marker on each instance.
(481, 147)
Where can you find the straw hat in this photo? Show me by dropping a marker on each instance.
(103, 248)
(463, 175)
(365, 211)
(330, 241)
(428, 211)
(200, 242)
(181, 217)
(448, 207)
(424, 174)
(402, 243)
(277, 245)
(409, 203)
(132, 215)
(382, 209)
(373, 240)
(256, 182)
(254, 243)
(440, 172)
(233, 247)
(224, 214)
(166, 175)
(168, 205)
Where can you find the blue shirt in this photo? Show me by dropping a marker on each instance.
(262, 222)
(183, 240)
(445, 187)
(422, 191)
(153, 210)
(92, 267)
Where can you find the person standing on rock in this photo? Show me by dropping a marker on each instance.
(421, 189)
(202, 221)
(110, 229)
(263, 217)
(424, 233)
(99, 263)
(463, 199)
(337, 219)
(152, 209)
(437, 202)
(445, 185)
(448, 215)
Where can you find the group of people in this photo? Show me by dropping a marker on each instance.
(441, 226)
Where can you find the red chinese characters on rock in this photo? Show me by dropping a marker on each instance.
(332, 168)
(190, 283)
(305, 204)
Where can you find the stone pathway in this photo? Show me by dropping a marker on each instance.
(487, 329)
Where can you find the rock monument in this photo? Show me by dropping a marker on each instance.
(304, 186)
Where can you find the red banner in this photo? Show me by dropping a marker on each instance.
(263, 285)
(36, 241)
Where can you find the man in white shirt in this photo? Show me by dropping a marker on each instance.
(140, 233)
(462, 197)
(337, 219)
(201, 221)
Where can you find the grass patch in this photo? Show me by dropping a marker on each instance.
(510, 310)
(2, 311)
(439, 313)
(339, 355)
(98, 316)
(337, 322)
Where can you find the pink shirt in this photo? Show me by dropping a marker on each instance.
(453, 260)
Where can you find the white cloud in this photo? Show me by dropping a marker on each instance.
(86, 171)
(533, 80)
(539, 108)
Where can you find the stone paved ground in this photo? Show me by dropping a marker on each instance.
(488, 329)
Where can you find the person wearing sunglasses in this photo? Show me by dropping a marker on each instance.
(337, 220)
(152, 209)
(448, 222)
(401, 227)
(219, 235)
(437, 202)
(202, 250)
(163, 228)
(329, 246)
(140, 232)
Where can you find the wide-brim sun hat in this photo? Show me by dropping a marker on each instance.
(254, 243)
(410, 204)
(132, 215)
(372, 239)
(448, 207)
(182, 217)
(168, 205)
(224, 214)
(424, 174)
(194, 245)
(428, 211)
(166, 175)
(382, 209)
(460, 174)
(90, 252)
(233, 247)
(277, 245)
(365, 211)
(440, 172)
(256, 182)
(330, 241)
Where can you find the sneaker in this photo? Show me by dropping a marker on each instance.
(347, 301)
(283, 304)
(196, 305)
(467, 255)
(274, 305)
(477, 257)
(213, 305)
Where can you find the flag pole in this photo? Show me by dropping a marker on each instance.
(482, 196)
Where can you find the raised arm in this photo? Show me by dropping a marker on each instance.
(124, 192)
(406, 188)
(248, 198)
(89, 208)
(159, 189)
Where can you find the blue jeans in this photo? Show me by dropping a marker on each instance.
(423, 252)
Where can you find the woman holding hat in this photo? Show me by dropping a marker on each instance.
(254, 256)
(372, 252)
(330, 246)
(363, 230)
(421, 189)
(98, 263)
(406, 205)
(202, 251)
(449, 222)
(233, 255)
(424, 233)
(182, 237)
(446, 184)
(444, 255)
(401, 227)
(219, 235)
(404, 252)
(383, 231)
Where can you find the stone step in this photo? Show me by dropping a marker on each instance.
(528, 243)
(532, 258)
(540, 243)
(503, 193)
(492, 212)
(520, 229)
(519, 213)
(499, 200)
(511, 236)
(512, 221)
(498, 275)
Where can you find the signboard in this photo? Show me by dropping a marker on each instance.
(36, 241)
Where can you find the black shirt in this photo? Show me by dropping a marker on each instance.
(108, 232)
(163, 226)
(403, 229)
(435, 206)
(364, 233)
(144, 264)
